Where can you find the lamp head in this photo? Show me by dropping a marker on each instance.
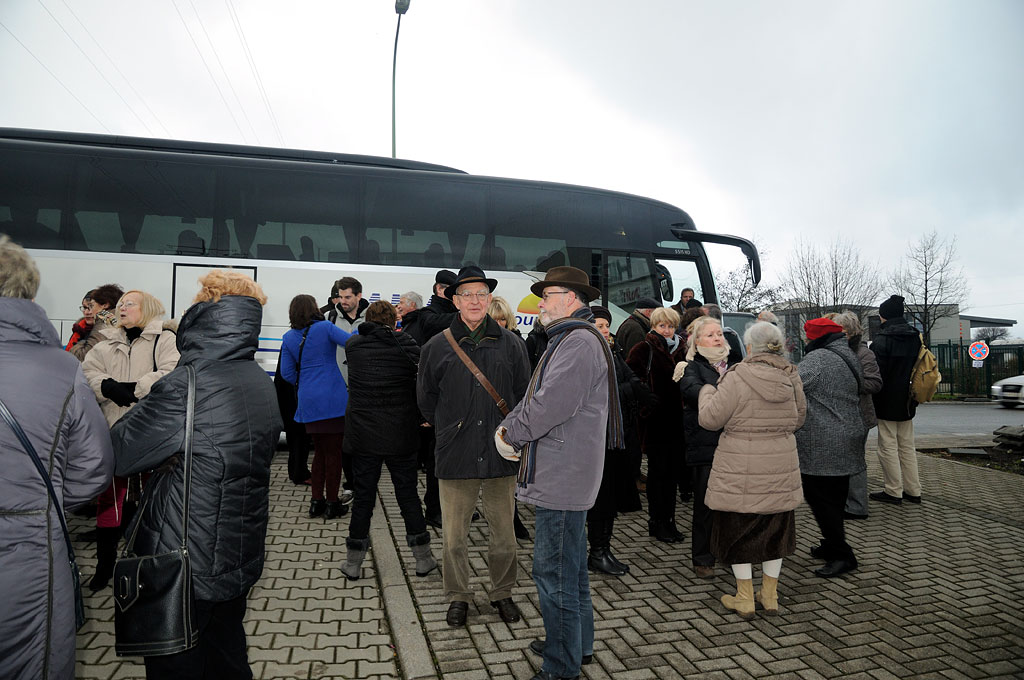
(402, 6)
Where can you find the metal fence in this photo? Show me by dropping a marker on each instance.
(961, 378)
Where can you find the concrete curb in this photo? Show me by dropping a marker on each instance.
(414, 656)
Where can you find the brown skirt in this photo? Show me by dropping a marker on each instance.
(741, 538)
(327, 426)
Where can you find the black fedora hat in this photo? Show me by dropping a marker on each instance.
(566, 277)
(470, 274)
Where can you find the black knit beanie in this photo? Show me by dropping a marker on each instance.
(891, 308)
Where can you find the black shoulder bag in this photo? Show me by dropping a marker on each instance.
(155, 612)
(27, 445)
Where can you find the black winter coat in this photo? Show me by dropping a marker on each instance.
(536, 344)
(659, 426)
(700, 443)
(463, 415)
(237, 425)
(896, 347)
(424, 323)
(634, 396)
(382, 417)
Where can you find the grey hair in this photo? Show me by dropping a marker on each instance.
(713, 310)
(19, 275)
(415, 299)
(764, 337)
(768, 317)
(850, 323)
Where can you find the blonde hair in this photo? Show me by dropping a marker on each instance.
(693, 330)
(664, 315)
(150, 307)
(19, 275)
(501, 309)
(219, 282)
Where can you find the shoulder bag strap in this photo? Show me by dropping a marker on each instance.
(480, 377)
(298, 362)
(856, 375)
(27, 445)
(190, 415)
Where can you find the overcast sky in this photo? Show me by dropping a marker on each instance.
(875, 120)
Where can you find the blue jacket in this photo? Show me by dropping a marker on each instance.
(322, 391)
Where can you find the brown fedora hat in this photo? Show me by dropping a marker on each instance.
(566, 277)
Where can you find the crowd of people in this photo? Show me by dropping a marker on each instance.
(561, 420)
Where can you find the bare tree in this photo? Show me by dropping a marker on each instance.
(737, 292)
(990, 335)
(830, 279)
(931, 281)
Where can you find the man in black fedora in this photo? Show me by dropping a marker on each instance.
(560, 431)
(464, 415)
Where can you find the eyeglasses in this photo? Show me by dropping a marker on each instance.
(473, 296)
(548, 294)
(127, 303)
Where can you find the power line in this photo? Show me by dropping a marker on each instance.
(93, 64)
(209, 72)
(255, 70)
(54, 75)
(113, 63)
(225, 72)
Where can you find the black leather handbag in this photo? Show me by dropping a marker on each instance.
(155, 601)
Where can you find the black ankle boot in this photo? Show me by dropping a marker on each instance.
(106, 555)
(601, 560)
(335, 509)
(317, 508)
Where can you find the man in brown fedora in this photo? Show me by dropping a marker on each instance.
(559, 431)
(464, 411)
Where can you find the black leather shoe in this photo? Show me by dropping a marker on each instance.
(457, 612)
(666, 533)
(537, 647)
(507, 610)
(835, 568)
(885, 498)
(615, 560)
(544, 675)
(818, 552)
(911, 499)
(335, 509)
(317, 508)
(433, 520)
(601, 560)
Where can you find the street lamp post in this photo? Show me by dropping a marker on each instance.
(401, 7)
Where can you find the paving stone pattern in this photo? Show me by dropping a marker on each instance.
(938, 595)
(304, 619)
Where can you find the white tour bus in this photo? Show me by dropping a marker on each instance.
(156, 214)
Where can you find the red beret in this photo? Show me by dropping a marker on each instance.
(816, 328)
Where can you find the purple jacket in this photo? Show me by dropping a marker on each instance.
(568, 417)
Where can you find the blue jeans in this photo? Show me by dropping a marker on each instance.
(560, 572)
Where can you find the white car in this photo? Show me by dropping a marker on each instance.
(1009, 392)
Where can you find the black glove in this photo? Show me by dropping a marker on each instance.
(121, 393)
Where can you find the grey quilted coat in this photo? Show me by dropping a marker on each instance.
(45, 390)
(831, 441)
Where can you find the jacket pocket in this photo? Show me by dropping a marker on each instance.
(447, 434)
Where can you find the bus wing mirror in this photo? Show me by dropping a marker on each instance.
(746, 247)
(665, 282)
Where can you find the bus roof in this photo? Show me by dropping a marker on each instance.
(211, 148)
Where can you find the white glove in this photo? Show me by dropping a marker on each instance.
(505, 450)
(677, 374)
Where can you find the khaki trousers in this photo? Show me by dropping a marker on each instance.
(458, 500)
(898, 457)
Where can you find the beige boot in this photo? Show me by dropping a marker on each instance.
(768, 596)
(743, 602)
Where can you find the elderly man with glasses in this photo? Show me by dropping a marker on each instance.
(464, 416)
(560, 431)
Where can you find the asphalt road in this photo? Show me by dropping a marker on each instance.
(964, 418)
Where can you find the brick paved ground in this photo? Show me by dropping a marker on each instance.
(304, 619)
(938, 594)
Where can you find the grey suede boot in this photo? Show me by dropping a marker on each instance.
(352, 567)
(420, 544)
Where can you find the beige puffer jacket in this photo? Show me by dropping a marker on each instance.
(760, 403)
(152, 356)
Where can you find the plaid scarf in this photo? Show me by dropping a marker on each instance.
(557, 331)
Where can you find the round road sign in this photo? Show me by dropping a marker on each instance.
(978, 350)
